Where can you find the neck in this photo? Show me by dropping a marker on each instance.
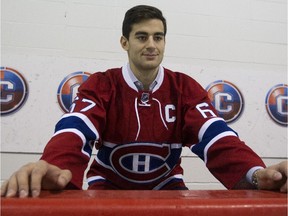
(146, 77)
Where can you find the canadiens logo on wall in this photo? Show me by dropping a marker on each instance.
(227, 99)
(277, 104)
(68, 88)
(14, 90)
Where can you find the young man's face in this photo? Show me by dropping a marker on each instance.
(146, 45)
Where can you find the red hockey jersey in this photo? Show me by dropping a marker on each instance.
(140, 134)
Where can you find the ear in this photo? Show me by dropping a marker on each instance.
(124, 43)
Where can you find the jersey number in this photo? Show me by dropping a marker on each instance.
(202, 109)
(90, 104)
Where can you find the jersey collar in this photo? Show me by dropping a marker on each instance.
(135, 84)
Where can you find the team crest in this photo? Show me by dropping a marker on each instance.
(140, 162)
(14, 90)
(68, 89)
(276, 103)
(227, 99)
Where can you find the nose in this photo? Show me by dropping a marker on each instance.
(151, 43)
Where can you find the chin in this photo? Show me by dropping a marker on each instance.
(150, 66)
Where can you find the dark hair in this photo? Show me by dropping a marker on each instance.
(138, 14)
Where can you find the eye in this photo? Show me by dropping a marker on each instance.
(142, 38)
(158, 37)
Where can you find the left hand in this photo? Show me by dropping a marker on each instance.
(273, 177)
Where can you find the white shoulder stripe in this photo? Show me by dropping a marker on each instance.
(72, 130)
(219, 136)
(206, 125)
(78, 133)
(85, 119)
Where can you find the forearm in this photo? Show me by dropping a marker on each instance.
(65, 153)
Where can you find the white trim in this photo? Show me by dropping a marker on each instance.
(250, 173)
(138, 118)
(206, 125)
(103, 164)
(78, 133)
(85, 119)
(130, 78)
(159, 79)
(176, 145)
(160, 111)
(215, 139)
(109, 144)
(159, 186)
(95, 178)
(127, 77)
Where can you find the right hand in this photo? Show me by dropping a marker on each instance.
(33, 177)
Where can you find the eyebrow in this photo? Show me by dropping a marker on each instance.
(145, 33)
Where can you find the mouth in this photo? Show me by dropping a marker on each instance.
(150, 55)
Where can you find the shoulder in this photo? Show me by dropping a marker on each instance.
(102, 79)
(107, 75)
(183, 82)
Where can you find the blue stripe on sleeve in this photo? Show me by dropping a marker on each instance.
(212, 131)
(78, 124)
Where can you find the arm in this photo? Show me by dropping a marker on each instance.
(208, 136)
(77, 131)
(68, 151)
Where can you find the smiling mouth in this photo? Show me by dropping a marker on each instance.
(150, 55)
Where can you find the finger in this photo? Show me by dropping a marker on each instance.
(276, 176)
(269, 179)
(56, 178)
(269, 175)
(37, 174)
(283, 189)
(283, 168)
(23, 178)
(64, 178)
(4, 188)
(12, 186)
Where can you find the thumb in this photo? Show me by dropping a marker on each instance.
(64, 178)
(276, 176)
(56, 178)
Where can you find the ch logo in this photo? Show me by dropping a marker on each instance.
(14, 90)
(277, 104)
(143, 162)
(227, 99)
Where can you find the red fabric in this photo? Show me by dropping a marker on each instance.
(112, 114)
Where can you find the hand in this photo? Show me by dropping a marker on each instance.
(33, 177)
(273, 177)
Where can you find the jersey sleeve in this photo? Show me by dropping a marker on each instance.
(210, 138)
(77, 131)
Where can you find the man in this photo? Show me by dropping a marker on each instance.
(139, 117)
